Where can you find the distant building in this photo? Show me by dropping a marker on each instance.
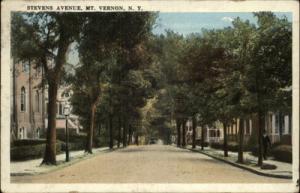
(277, 125)
(63, 96)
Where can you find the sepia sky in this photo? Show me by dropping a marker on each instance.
(186, 23)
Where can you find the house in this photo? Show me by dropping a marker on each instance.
(277, 125)
(63, 97)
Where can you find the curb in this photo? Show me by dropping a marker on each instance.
(242, 166)
(64, 164)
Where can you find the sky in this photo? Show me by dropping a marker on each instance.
(186, 23)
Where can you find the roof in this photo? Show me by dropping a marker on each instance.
(61, 123)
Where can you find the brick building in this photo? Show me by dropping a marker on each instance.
(28, 110)
(29, 103)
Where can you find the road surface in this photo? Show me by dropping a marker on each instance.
(149, 164)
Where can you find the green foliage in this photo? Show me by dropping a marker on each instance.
(148, 81)
(232, 146)
(282, 153)
(31, 151)
(116, 73)
(23, 142)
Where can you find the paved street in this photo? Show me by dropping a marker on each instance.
(149, 164)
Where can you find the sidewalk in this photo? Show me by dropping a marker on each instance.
(33, 167)
(283, 170)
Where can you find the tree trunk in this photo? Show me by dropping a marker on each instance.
(130, 135)
(89, 142)
(53, 78)
(183, 133)
(119, 130)
(137, 139)
(31, 117)
(241, 141)
(225, 144)
(50, 151)
(194, 124)
(97, 135)
(178, 133)
(43, 99)
(124, 133)
(260, 132)
(111, 135)
(280, 125)
(290, 125)
(202, 137)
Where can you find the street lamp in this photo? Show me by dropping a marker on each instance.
(67, 113)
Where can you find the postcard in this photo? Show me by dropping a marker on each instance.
(150, 96)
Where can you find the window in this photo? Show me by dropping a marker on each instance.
(25, 66)
(277, 123)
(38, 132)
(22, 133)
(67, 94)
(37, 101)
(23, 99)
(46, 108)
(280, 123)
(290, 124)
(247, 127)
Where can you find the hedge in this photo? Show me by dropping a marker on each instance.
(27, 152)
(198, 142)
(72, 138)
(279, 152)
(232, 146)
(282, 153)
(22, 142)
(73, 146)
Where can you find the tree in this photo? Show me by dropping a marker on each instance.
(88, 84)
(200, 63)
(51, 34)
(110, 56)
(270, 69)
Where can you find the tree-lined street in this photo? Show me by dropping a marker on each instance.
(226, 88)
(149, 164)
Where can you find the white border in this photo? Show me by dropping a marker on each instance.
(164, 6)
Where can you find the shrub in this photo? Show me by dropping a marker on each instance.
(216, 145)
(100, 142)
(22, 142)
(72, 138)
(198, 142)
(232, 146)
(27, 152)
(76, 142)
(282, 153)
(73, 146)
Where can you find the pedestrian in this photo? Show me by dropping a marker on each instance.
(266, 144)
